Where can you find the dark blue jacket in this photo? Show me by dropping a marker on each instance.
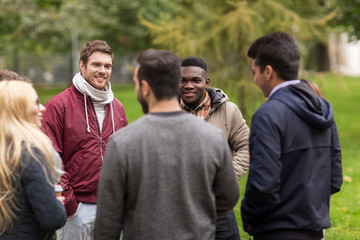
(295, 163)
(40, 212)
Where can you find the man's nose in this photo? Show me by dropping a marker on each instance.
(189, 84)
(102, 69)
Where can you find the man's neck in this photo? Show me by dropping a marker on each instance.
(283, 84)
(191, 106)
(167, 105)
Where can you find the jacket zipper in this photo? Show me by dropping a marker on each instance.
(99, 132)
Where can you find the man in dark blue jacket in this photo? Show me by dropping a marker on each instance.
(295, 156)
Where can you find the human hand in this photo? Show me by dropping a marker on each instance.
(61, 199)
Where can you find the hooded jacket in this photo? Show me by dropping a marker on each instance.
(77, 138)
(295, 164)
(227, 116)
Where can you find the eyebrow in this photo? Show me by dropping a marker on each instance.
(101, 63)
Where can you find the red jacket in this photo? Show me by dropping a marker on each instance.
(82, 152)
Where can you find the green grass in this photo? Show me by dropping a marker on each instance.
(343, 94)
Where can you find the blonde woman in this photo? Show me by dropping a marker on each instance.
(28, 206)
(10, 75)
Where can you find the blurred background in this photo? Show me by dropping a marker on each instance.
(41, 40)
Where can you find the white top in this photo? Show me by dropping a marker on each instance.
(100, 113)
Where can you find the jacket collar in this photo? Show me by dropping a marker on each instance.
(217, 96)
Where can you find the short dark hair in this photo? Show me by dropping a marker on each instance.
(162, 70)
(6, 74)
(194, 62)
(95, 46)
(279, 50)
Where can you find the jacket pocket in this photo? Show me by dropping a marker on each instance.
(75, 166)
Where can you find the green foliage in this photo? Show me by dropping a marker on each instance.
(9, 22)
(46, 27)
(349, 16)
(35, 29)
(121, 25)
(221, 32)
(49, 3)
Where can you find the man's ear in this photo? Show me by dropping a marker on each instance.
(82, 66)
(145, 88)
(207, 81)
(269, 72)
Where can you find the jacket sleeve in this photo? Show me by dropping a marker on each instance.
(239, 142)
(48, 210)
(53, 126)
(110, 204)
(263, 184)
(225, 185)
(336, 162)
(121, 114)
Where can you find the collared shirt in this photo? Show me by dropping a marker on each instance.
(284, 84)
(200, 111)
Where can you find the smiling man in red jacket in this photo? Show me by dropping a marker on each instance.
(79, 121)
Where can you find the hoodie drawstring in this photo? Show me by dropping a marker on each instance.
(86, 114)
(87, 118)
(112, 116)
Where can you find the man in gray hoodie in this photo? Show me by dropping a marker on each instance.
(165, 175)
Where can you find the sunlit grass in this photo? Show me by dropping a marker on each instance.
(343, 94)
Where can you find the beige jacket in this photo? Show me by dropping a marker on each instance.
(227, 116)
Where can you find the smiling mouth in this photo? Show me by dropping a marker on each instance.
(189, 94)
(100, 79)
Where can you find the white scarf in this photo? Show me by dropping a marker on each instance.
(99, 96)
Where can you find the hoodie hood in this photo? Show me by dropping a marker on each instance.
(217, 96)
(301, 99)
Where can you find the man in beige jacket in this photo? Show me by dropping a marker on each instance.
(213, 106)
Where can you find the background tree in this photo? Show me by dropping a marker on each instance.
(221, 32)
(349, 16)
(218, 31)
(60, 26)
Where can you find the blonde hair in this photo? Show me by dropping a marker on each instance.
(17, 134)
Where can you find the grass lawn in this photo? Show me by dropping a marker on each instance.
(343, 94)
